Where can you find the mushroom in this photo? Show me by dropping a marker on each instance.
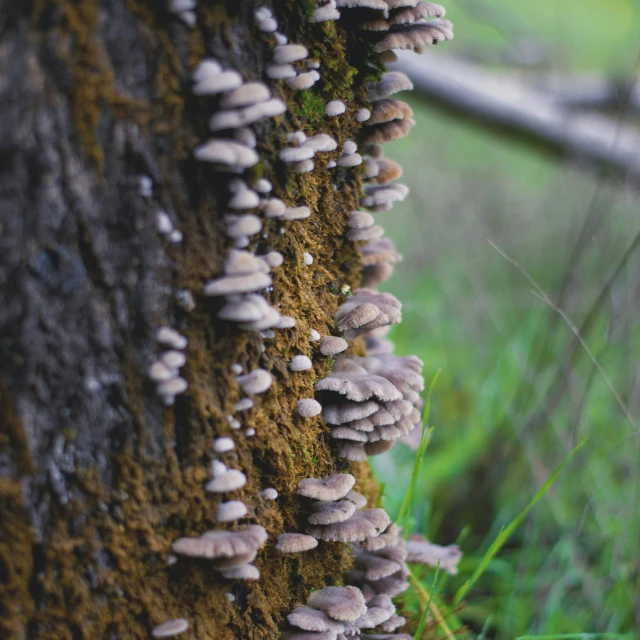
(415, 36)
(332, 345)
(308, 407)
(280, 71)
(230, 480)
(235, 118)
(229, 548)
(330, 512)
(391, 82)
(170, 337)
(287, 53)
(226, 152)
(302, 81)
(300, 363)
(331, 487)
(230, 511)
(255, 382)
(233, 285)
(209, 79)
(246, 95)
(310, 619)
(339, 603)
(243, 571)
(334, 108)
(295, 543)
(388, 131)
(363, 115)
(421, 551)
(223, 445)
(170, 628)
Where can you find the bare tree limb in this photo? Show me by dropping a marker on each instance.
(526, 114)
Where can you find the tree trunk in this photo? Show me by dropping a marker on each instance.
(98, 476)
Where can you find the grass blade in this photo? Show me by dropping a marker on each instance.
(407, 503)
(505, 532)
(425, 611)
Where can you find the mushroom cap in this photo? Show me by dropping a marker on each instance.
(350, 160)
(274, 259)
(393, 623)
(331, 487)
(281, 71)
(297, 213)
(421, 551)
(295, 543)
(232, 285)
(304, 166)
(358, 499)
(346, 433)
(226, 152)
(170, 628)
(353, 451)
(269, 493)
(391, 82)
(174, 359)
(304, 80)
(421, 11)
(170, 337)
(161, 372)
(287, 53)
(334, 108)
(246, 95)
(222, 544)
(300, 363)
(372, 618)
(388, 109)
(257, 381)
(373, 232)
(240, 262)
(330, 512)
(417, 35)
(296, 154)
(173, 387)
(388, 131)
(308, 407)
(321, 142)
(348, 412)
(376, 448)
(377, 5)
(311, 635)
(230, 480)
(363, 115)
(360, 526)
(208, 84)
(243, 571)
(376, 568)
(235, 118)
(247, 224)
(388, 170)
(273, 207)
(224, 444)
(230, 511)
(359, 387)
(339, 603)
(310, 619)
(331, 345)
(248, 308)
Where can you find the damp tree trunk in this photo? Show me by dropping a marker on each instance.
(97, 476)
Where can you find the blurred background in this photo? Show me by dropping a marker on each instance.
(517, 390)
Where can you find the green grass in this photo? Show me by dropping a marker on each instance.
(517, 393)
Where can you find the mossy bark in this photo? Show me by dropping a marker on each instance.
(97, 476)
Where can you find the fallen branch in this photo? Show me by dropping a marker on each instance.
(527, 114)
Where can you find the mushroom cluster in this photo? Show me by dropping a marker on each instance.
(367, 402)
(230, 552)
(165, 371)
(399, 24)
(341, 613)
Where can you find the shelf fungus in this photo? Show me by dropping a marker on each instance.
(226, 549)
(228, 480)
(392, 82)
(365, 310)
(300, 363)
(230, 511)
(308, 408)
(295, 543)
(170, 628)
(421, 551)
(256, 382)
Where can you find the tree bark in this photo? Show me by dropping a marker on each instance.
(98, 478)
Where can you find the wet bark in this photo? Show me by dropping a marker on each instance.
(97, 476)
